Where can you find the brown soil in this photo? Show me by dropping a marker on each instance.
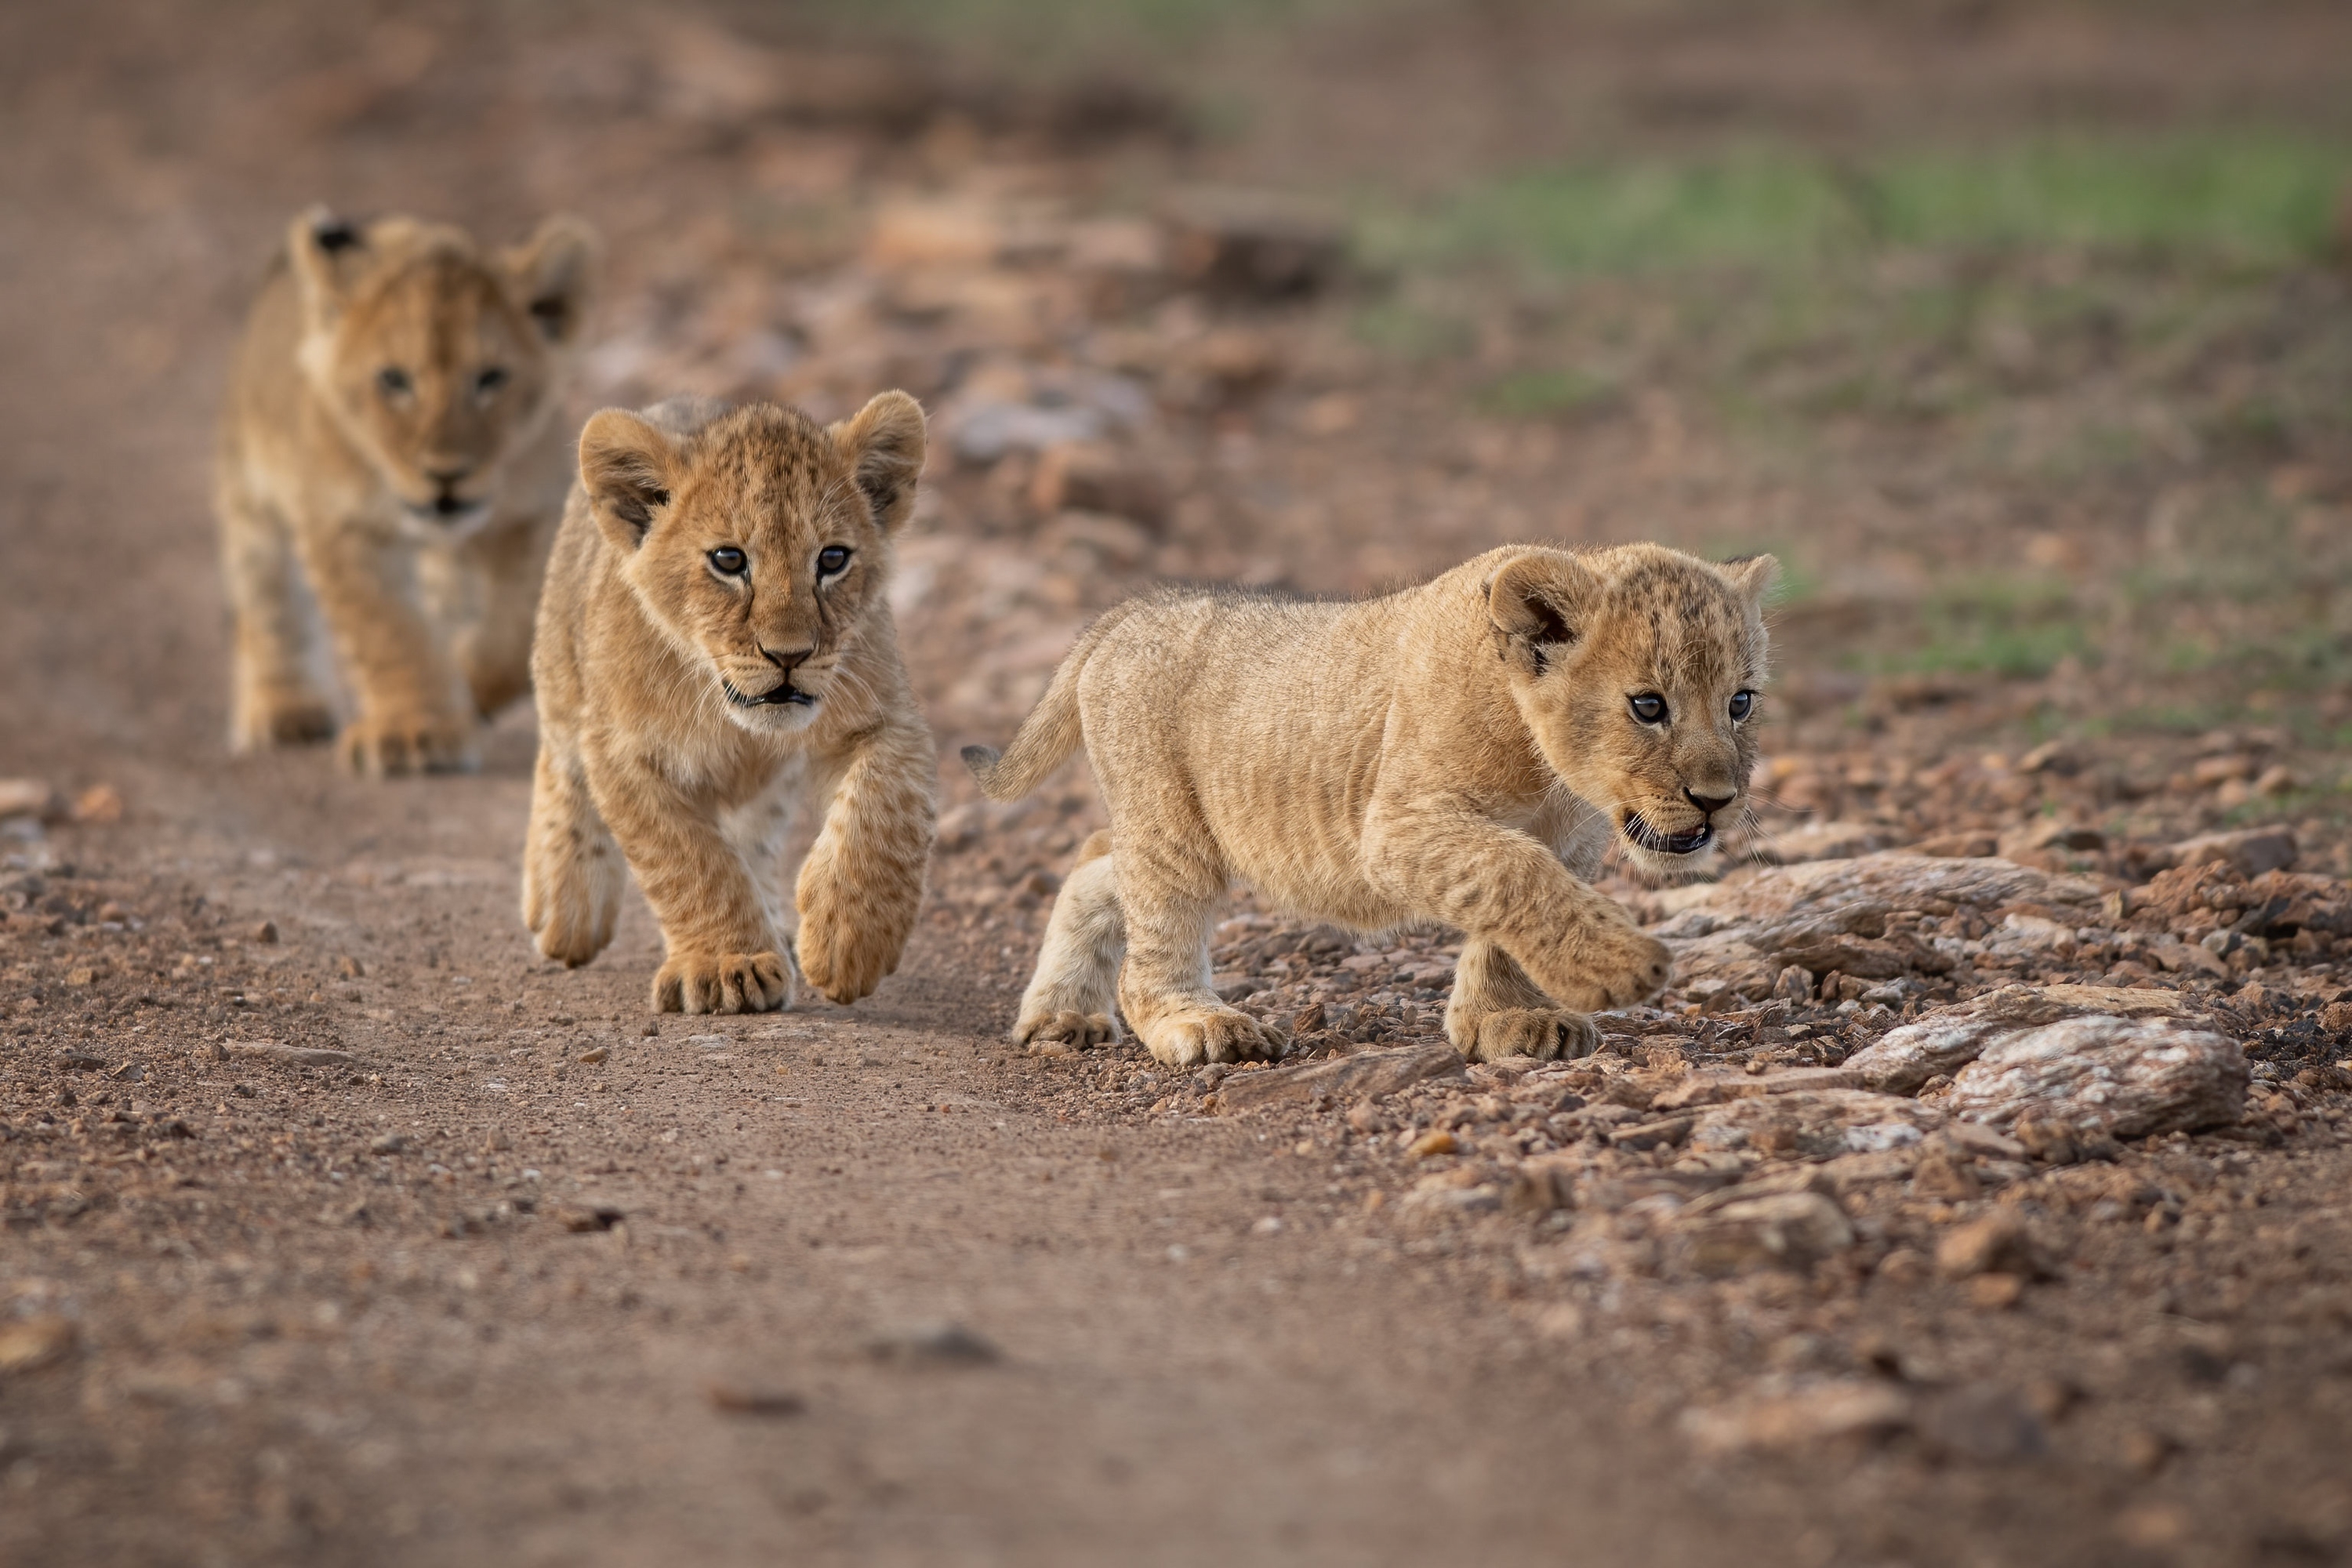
(518, 1273)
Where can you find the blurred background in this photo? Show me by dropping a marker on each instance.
(2022, 332)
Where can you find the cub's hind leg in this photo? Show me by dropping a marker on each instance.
(274, 698)
(1074, 995)
(573, 871)
(1168, 886)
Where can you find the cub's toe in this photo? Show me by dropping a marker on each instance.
(1534, 1032)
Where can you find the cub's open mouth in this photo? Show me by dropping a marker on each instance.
(1648, 837)
(779, 696)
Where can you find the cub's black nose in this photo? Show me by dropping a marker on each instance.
(1710, 804)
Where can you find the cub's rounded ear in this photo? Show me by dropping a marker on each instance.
(885, 442)
(626, 464)
(555, 275)
(1542, 600)
(1753, 576)
(326, 253)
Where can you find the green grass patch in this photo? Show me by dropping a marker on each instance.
(1550, 394)
(2264, 197)
(2014, 627)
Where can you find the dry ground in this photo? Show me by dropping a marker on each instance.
(517, 1273)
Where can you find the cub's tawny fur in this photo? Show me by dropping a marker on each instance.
(715, 649)
(388, 451)
(1464, 752)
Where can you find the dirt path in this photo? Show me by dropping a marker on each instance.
(514, 1273)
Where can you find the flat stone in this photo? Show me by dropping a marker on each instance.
(1951, 1037)
(1846, 1408)
(2121, 1077)
(1818, 1124)
(934, 1344)
(1787, 1230)
(1367, 1074)
(298, 1056)
(2253, 850)
(1739, 935)
(1997, 1244)
(29, 1345)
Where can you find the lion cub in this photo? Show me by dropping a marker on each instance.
(715, 646)
(388, 445)
(1463, 751)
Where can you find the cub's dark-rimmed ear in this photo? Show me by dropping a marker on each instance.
(885, 442)
(555, 273)
(1753, 577)
(626, 466)
(1541, 602)
(326, 252)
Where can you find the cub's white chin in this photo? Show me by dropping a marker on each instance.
(774, 718)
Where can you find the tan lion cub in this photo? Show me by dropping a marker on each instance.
(715, 647)
(388, 445)
(1463, 751)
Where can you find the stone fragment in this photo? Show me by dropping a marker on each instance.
(1823, 841)
(934, 1344)
(1851, 1408)
(2120, 1077)
(1818, 1124)
(1740, 936)
(1367, 1074)
(1253, 245)
(1430, 1145)
(594, 1055)
(1995, 1244)
(29, 797)
(1789, 1230)
(388, 1144)
(2250, 850)
(299, 1056)
(580, 1219)
(1094, 476)
(98, 806)
(1995, 1292)
(1948, 1039)
(1539, 1186)
(751, 1399)
(28, 1344)
(1983, 1422)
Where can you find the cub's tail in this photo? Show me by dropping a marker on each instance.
(1048, 736)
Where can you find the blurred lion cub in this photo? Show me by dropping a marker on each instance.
(714, 647)
(389, 445)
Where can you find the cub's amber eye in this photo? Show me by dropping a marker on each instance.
(393, 382)
(729, 561)
(832, 561)
(1742, 703)
(488, 381)
(1649, 708)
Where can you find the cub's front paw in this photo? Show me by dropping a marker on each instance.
(847, 943)
(1049, 1032)
(722, 982)
(1611, 964)
(281, 718)
(1533, 1032)
(1226, 1035)
(387, 746)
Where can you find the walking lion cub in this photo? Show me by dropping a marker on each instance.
(389, 451)
(1463, 751)
(715, 647)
